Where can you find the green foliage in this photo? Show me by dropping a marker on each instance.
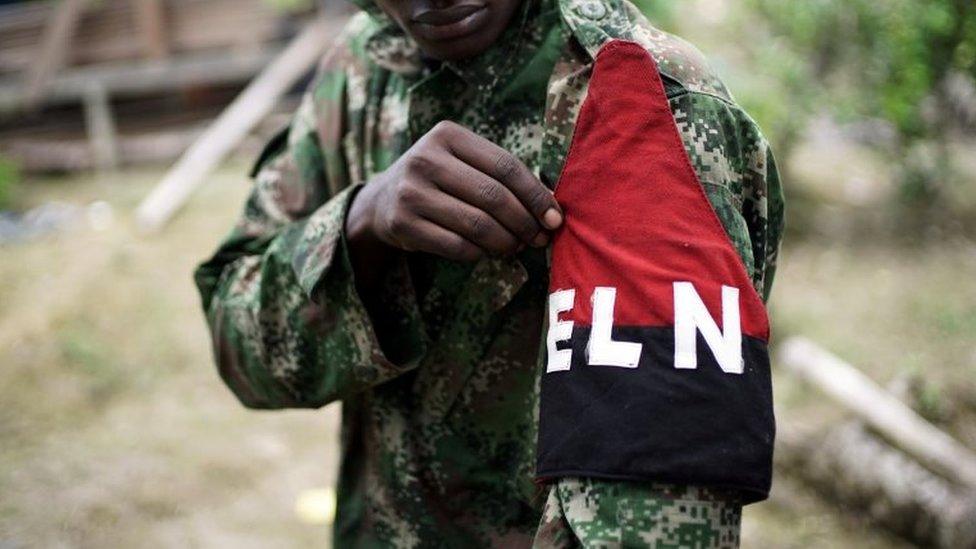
(290, 5)
(779, 94)
(659, 12)
(856, 60)
(885, 58)
(9, 177)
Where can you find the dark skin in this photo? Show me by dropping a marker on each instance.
(453, 193)
(451, 29)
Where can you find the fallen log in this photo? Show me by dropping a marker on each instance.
(861, 473)
(880, 410)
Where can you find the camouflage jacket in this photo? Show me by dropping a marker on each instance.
(439, 395)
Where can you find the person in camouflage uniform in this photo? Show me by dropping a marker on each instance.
(437, 364)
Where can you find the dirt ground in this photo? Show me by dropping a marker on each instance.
(115, 430)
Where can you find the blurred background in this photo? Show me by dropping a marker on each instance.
(115, 430)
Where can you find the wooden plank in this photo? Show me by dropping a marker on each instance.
(234, 124)
(107, 33)
(54, 48)
(100, 124)
(156, 140)
(151, 21)
(144, 77)
(59, 155)
(880, 410)
(21, 29)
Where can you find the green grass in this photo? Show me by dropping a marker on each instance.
(115, 429)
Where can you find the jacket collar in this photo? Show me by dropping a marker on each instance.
(390, 48)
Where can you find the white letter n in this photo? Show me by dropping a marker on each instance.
(691, 316)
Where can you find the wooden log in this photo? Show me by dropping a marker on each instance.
(233, 125)
(862, 474)
(880, 410)
(54, 48)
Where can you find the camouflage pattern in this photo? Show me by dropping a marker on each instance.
(590, 513)
(440, 393)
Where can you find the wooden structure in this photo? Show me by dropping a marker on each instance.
(233, 125)
(58, 53)
(888, 463)
(880, 410)
(111, 31)
(867, 477)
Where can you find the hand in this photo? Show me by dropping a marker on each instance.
(456, 195)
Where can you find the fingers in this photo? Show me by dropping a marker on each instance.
(505, 168)
(475, 225)
(473, 187)
(425, 236)
(459, 196)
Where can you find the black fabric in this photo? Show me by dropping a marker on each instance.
(658, 423)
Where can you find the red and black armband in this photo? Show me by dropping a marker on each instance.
(656, 366)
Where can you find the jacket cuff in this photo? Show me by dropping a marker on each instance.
(320, 243)
(322, 264)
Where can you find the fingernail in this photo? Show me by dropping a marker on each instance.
(540, 240)
(552, 218)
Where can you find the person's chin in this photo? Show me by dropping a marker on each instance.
(456, 50)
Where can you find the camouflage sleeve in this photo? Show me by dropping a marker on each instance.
(599, 513)
(775, 221)
(736, 168)
(288, 326)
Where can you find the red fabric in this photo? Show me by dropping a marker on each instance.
(637, 218)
